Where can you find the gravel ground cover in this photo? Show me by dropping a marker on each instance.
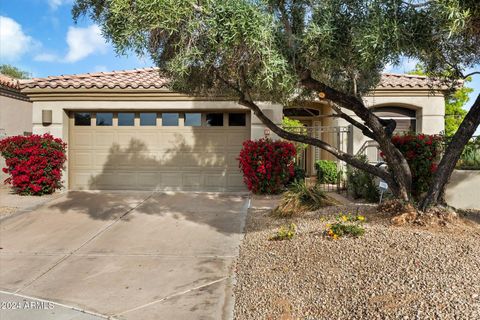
(392, 272)
(6, 211)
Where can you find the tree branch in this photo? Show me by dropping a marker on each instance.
(348, 158)
(367, 132)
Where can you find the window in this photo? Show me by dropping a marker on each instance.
(237, 119)
(215, 119)
(104, 119)
(148, 119)
(193, 119)
(169, 119)
(82, 118)
(126, 118)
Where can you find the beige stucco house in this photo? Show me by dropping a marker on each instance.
(126, 130)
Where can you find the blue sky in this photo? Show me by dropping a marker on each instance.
(39, 36)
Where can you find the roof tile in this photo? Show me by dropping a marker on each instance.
(149, 78)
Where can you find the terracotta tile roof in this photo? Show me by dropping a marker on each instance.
(9, 83)
(407, 81)
(149, 78)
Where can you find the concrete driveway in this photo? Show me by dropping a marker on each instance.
(125, 255)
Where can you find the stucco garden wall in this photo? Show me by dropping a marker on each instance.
(463, 189)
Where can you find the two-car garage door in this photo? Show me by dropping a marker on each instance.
(156, 150)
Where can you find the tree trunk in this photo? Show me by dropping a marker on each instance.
(452, 155)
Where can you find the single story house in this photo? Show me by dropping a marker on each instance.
(126, 130)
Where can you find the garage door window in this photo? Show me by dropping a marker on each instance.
(126, 119)
(170, 119)
(214, 119)
(148, 119)
(237, 119)
(82, 118)
(104, 119)
(193, 119)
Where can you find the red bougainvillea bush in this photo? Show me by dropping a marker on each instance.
(34, 163)
(267, 165)
(421, 152)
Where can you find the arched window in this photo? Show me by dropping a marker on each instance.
(406, 118)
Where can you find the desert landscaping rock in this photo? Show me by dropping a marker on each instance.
(392, 272)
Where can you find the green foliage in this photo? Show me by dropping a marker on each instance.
(361, 184)
(14, 72)
(346, 225)
(327, 171)
(295, 126)
(298, 174)
(470, 158)
(300, 198)
(222, 47)
(285, 232)
(454, 103)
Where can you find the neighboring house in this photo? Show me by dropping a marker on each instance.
(125, 130)
(15, 108)
(15, 113)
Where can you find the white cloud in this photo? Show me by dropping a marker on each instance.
(54, 4)
(100, 68)
(13, 41)
(45, 57)
(82, 42)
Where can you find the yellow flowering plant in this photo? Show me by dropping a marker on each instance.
(346, 225)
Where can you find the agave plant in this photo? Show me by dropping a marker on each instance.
(300, 198)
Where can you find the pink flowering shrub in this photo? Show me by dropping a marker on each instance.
(267, 165)
(34, 163)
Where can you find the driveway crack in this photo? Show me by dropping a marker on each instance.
(96, 235)
(172, 296)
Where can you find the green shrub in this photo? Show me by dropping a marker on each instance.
(362, 184)
(299, 199)
(285, 233)
(326, 171)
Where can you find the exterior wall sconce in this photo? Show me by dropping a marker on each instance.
(46, 117)
(266, 132)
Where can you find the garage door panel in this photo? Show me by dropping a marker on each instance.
(148, 180)
(81, 159)
(212, 159)
(104, 139)
(82, 140)
(234, 180)
(192, 180)
(191, 159)
(172, 180)
(149, 158)
(232, 160)
(213, 180)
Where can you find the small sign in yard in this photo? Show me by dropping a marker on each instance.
(383, 186)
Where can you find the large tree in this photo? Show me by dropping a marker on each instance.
(284, 50)
(14, 72)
